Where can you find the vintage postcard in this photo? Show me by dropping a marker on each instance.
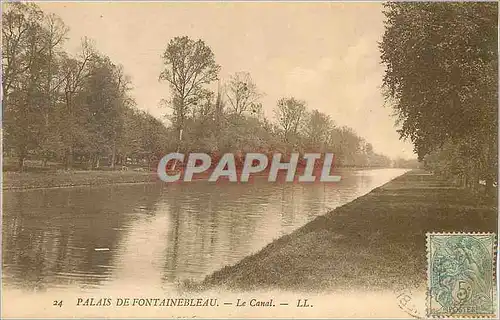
(249, 159)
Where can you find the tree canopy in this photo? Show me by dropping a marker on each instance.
(442, 80)
(77, 110)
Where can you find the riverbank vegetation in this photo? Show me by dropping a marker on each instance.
(76, 111)
(442, 80)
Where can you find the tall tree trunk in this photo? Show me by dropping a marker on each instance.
(69, 164)
(90, 163)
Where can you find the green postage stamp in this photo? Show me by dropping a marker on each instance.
(461, 272)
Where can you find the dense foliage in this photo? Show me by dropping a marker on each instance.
(442, 79)
(74, 110)
(77, 111)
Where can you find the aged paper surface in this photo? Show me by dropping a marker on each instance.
(249, 159)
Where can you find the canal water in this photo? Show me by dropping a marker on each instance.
(156, 235)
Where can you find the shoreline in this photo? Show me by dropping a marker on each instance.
(375, 242)
(20, 181)
(15, 181)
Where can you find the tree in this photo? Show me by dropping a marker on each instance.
(74, 72)
(55, 34)
(242, 94)
(317, 130)
(104, 101)
(63, 107)
(20, 24)
(188, 66)
(76, 110)
(347, 146)
(24, 48)
(289, 114)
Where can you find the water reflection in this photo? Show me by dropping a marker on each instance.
(157, 235)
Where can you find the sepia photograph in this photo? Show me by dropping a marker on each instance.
(249, 159)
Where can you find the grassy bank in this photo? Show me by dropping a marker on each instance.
(376, 241)
(34, 180)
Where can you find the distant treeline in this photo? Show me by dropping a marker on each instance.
(407, 163)
(76, 111)
(442, 79)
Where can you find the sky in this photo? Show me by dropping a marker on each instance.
(324, 53)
